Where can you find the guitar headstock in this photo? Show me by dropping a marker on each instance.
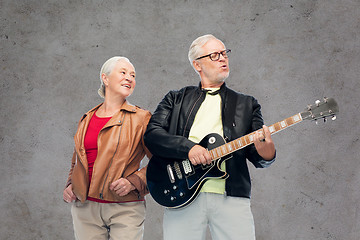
(321, 110)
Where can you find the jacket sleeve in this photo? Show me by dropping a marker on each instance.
(257, 123)
(73, 160)
(138, 179)
(71, 169)
(158, 140)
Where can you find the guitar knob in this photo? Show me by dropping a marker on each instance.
(182, 194)
(166, 192)
(175, 187)
(173, 199)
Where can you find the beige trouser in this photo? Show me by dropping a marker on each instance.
(229, 218)
(115, 221)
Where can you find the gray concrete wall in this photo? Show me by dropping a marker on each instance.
(286, 53)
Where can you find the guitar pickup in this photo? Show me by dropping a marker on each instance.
(187, 167)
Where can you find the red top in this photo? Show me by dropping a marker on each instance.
(90, 141)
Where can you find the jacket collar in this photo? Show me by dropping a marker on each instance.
(125, 107)
(221, 90)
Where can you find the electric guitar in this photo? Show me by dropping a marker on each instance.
(175, 183)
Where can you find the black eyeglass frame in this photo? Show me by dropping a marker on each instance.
(223, 53)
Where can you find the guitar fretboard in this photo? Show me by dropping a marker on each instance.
(248, 139)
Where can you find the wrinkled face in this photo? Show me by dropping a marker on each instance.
(212, 73)
(121, 80)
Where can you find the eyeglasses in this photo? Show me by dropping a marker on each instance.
(216, 55)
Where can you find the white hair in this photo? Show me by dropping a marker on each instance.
(197, 44)
(106, 68)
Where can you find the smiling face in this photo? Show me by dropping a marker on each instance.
(212, 73)
(121, 80)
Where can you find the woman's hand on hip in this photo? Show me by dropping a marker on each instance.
(68, 194)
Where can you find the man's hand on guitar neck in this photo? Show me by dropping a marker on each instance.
(199, 155)
(264, 143)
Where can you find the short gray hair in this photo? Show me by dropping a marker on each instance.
(197, 44)
(106, 68)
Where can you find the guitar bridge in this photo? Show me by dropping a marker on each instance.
(170, 173)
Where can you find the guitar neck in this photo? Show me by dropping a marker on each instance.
(248, 139)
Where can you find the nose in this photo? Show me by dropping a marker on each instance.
(222, 58)
(128, 78)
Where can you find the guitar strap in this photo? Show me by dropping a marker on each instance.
(176, 112)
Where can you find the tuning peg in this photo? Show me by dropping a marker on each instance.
(326, 99)
(333, 118)
(317, 102)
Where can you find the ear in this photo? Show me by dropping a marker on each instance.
(197, 66)
(104, 79)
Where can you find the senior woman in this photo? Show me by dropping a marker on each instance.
(105, 183)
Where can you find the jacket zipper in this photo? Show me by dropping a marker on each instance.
(101, 195)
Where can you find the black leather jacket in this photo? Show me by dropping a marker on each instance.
(240, 115)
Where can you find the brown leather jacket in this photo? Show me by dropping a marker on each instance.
(120, 151)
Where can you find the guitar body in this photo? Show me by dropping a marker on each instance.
(175, 183)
